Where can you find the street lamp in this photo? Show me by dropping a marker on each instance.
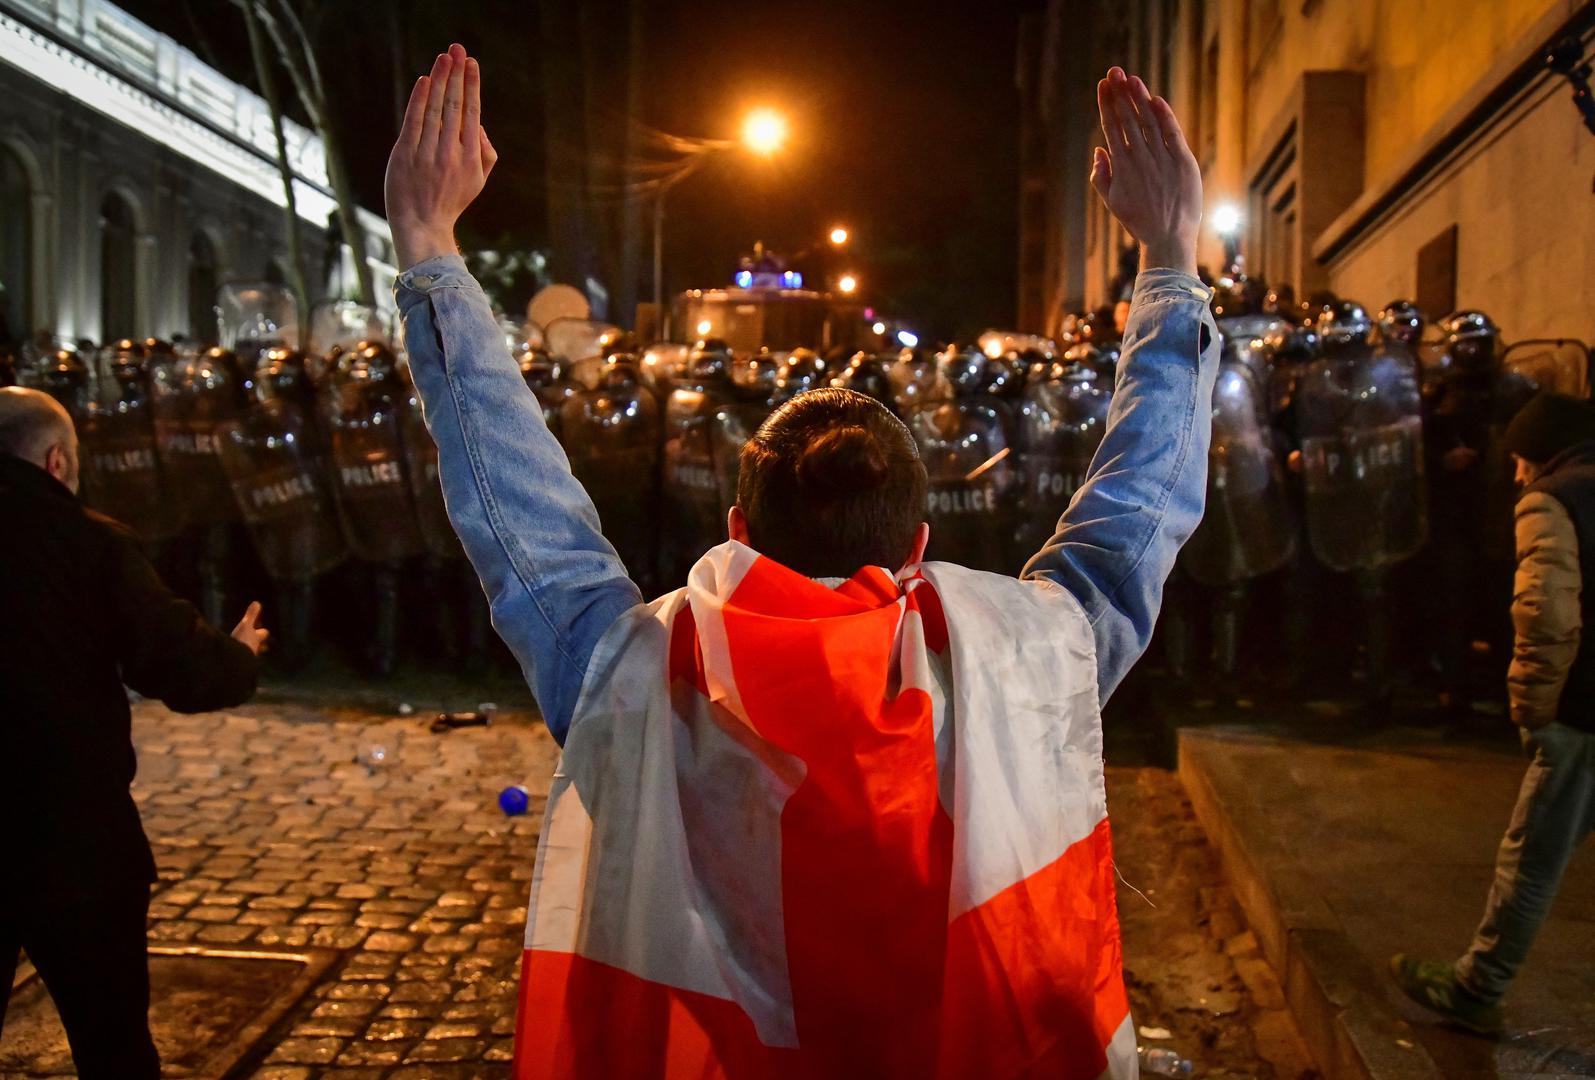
(847, 285)
(1227, 223)
(839, 236)
(764, 132)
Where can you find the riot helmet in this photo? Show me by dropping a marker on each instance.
(1401, 323)
(1473, 342)
(1344, 324)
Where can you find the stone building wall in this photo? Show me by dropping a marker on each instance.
(1352, 135)
(114, 137)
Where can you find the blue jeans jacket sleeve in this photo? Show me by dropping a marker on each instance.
(554, 583)
(1144, 494)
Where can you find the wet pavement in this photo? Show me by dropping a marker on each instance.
(401, 889)
(1348, 846)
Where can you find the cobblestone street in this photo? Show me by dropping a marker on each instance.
(272, 836)
(269, 832)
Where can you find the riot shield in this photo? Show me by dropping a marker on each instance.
(1560, 365)
(754, 393)
(191, 395)
(964, 444)
(611, 429)
(363, 402)
(995, 343)
(59, 368)
(278, 479)
(423, 475)
(1359, 411)
(1061, 422)
(573, 340)
(917, 381)
(545, 378)
(253, 316)
(663, 365)
(123, 476)
(693, 522)
(337, 326)
(1248, 529)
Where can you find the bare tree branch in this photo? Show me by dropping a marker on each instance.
(268, 90)
(305, 71)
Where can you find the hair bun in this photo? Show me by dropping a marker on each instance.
(845, 460)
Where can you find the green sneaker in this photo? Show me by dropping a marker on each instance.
(1434, 986)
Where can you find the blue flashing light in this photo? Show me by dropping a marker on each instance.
(791, 279)
(744, 279)
(907, 339)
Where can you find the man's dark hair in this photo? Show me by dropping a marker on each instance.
(831, 483)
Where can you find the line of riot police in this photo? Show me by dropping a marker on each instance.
(1344, 444)
(317, 456)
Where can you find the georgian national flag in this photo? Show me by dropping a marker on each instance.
(813, 831)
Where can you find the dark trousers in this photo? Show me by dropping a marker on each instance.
(92, 955)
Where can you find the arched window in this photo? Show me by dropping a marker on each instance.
(202, 272)
(16, 246)
(118, 268)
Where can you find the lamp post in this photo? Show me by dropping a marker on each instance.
(1227, 223)
(764, 132)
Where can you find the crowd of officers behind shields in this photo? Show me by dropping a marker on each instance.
(1358, 492)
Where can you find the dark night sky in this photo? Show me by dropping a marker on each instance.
(904, 117)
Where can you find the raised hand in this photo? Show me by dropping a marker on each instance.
(247, 632)
(1147, 175)
(441, 159)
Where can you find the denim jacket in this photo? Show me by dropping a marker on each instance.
(555, 584)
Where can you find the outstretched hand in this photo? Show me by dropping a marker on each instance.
(248, 633)
(1148, 176)
(441, 159)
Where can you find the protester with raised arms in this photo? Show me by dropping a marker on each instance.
(828, 810)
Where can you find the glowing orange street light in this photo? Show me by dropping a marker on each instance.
(839, 236)
(764, 131)
(848, 284)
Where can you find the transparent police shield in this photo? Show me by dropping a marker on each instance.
(1359, 411)
(545, 378)
(253, 316)
(337, 326)
(123, 475)
(573, 340)
(363, 404)
(424, 476)
(995, 343)
(1560, 365)
(1060, 424)
(273, 464)
(194, 393)
(662, 366)
(693, 522)
(917, 380)
(754, 393)
(1247, 528)
(973, 480)
(611, 433)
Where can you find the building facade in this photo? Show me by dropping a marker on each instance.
(135, 179)
(1419, 149)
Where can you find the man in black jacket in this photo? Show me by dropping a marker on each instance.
(82, 612)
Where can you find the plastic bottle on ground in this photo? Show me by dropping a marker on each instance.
(1157, 1061)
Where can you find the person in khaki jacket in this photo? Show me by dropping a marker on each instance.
(1551, 689)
